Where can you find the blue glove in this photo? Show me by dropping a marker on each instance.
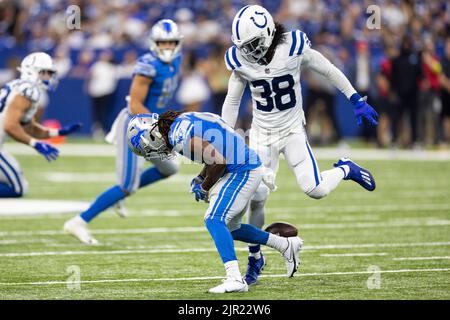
(64, 131)
(47, 150)
(197, 180)
(363, 110)
(200, 194)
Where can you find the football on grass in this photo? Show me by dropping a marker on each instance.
(283, 229)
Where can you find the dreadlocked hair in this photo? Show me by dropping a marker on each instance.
(165, 120)
(278, 38)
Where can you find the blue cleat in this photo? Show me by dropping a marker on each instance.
(357, 174)
(255, 266)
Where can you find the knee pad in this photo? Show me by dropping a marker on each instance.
(169, 168)
(256, 216)
(319, 192)
(24, 187)
(261, 193)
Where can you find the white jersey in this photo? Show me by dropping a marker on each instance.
(275, 87)
(22, 87)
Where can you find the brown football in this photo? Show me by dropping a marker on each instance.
(283, 229)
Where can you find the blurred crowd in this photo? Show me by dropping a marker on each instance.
(400, 61)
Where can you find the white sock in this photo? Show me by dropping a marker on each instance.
(232, 270)
(346, 169)
(278, 243)
(256, 255)
(334, 176)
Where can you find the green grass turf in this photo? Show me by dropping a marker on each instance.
(407, 216)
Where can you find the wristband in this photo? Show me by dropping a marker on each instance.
(355, 98)
(53, 132)
(32, 142)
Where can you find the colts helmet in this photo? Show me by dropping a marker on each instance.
(165, 30)
(253, 30)
(32, 66)
(144, 138)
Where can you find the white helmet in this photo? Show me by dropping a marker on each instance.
(165, 30)
(253, 29)
(144, 138)
(32, 66)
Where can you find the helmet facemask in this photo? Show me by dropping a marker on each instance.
(49, 83)
(145, 140)
(254, 49)
(165, 31)
(155, 147)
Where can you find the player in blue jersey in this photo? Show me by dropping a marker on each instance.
(228, 181)
(155, 79)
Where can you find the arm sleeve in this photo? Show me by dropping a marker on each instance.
(230, 108)
(314, 60)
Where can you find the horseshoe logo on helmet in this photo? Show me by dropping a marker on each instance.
(260, 25)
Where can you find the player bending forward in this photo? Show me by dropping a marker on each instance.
(231, 167)
(270, 60)
(155, 79)
(18, 105)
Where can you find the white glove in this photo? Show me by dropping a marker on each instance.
(269, 179)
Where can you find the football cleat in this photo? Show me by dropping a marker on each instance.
(358, 174)
(255, 266)
(120, 209)
(292, 255)
(78, 228)
(230, 285)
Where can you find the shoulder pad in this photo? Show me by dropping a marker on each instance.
(231, 59)
(29, 90)
(146, 65)
(299, 42)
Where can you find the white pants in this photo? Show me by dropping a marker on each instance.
(11, 173)
(231, 196)
(301, 160)
(128, 165)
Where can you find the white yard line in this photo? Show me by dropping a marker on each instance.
(364, 254)
(45, 283)
(211, 249)
(422, 258)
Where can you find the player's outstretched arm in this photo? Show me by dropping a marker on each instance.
(38, 131)
(315, 61)
(230, 108)
(14, 128)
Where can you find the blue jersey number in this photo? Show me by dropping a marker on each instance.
(4, 92)
(279, 91)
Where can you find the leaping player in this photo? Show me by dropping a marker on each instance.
(18, 105)
(270, 60)
(155, 79)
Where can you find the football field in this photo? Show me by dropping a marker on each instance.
(393, 243)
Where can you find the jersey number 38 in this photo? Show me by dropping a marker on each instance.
(279, 87)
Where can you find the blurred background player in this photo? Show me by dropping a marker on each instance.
(19, 100)
(156, 76)
(270, 60)
(229, 179)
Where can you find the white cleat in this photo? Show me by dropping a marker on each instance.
(78, 228)
(230, 285)
(120, 209)
(292, 255)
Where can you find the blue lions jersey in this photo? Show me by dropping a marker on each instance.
(213, 129)
(165, 77)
